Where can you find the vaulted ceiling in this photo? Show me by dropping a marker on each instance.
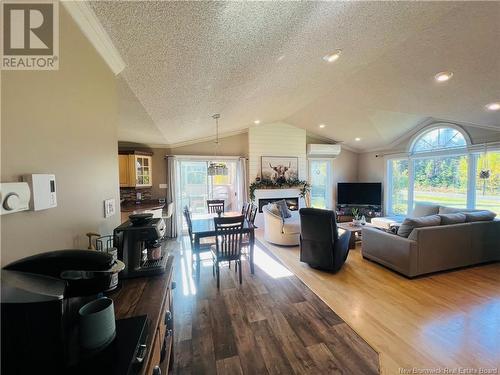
(263, 60)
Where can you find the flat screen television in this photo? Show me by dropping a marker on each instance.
(359, 193)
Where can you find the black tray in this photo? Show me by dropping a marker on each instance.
(119, 358)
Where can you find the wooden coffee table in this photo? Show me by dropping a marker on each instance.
(354, 230)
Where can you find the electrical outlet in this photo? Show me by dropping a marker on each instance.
(109, 207)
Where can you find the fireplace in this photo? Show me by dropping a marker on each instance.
(291, 202)
(265, 196)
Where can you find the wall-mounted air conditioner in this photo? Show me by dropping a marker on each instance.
(323, 150)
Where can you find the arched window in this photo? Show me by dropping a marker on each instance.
(438, 139)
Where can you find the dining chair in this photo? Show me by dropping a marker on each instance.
(215, 205)
(205, 243)
(244, 208)
(227, 248)
(250, 217)
(251, 213)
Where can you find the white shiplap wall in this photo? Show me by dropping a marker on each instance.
(277, 139)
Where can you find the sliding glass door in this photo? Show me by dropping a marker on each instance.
(196, 186)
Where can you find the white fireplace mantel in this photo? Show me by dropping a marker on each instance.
(276, 193)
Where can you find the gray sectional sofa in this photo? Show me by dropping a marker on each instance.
(430, 244)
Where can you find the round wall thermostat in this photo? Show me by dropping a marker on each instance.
(11, 202)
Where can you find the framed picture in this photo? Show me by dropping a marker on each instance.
(279, 167)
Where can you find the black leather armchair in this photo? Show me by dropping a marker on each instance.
(322, 244)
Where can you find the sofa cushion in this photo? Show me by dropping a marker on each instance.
(424, 209)
(291, 226)
(454, 210)
(448, 219)
(418, 222)
(479, 216)
(285, 212)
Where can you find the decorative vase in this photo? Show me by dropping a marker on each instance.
(363, 220)
(356, 222)
(307, 199)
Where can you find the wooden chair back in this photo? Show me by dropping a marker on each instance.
(244, 208)
(187, 217)
(252, 213)
(215, 205)
(229, 235)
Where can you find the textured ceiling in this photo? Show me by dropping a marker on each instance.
(248, 60)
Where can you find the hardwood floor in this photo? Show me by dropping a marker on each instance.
(449, 319)
(271, 324)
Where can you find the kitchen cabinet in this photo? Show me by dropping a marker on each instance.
(136, 169)
(151, 296)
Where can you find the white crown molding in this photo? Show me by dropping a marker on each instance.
(92, 28)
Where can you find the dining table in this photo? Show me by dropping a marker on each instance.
(203, 226)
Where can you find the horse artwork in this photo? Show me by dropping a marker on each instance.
(276, 168)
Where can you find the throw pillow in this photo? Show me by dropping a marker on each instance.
(448, 219)
(274, 209)
(424, 209)
(479, 216)
(419, 222)
(285, 212)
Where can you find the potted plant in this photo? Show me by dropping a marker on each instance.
(356, 216)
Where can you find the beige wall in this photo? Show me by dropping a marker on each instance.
(235, 145)
(62, 122)
(345, 169)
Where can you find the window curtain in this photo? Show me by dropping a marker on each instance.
(172, 196)
(242, 179)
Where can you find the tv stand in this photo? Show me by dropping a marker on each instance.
(344, 212)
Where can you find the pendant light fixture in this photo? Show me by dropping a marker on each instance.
(214, 168)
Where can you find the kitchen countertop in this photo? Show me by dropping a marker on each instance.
(133, 207)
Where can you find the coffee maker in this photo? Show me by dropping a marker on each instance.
(40, 298)
(135, 239)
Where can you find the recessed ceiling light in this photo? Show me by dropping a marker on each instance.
(256, 122)
(321, 126)
(443, 76)
(334, 56)
(357, 139)
(493, 106)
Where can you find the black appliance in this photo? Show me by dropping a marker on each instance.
(359, 193)
(40, 298)
(133, 239)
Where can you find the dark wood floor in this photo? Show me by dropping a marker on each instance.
(268, 325)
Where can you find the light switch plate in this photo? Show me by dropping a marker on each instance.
(163, 186)
(109, 207)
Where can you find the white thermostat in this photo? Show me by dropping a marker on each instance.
(43, 191)
(14, 197)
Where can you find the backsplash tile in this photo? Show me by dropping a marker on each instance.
(130, 194)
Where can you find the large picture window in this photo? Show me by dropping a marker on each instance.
(488, 189)
(441, 169)
(441, 180)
